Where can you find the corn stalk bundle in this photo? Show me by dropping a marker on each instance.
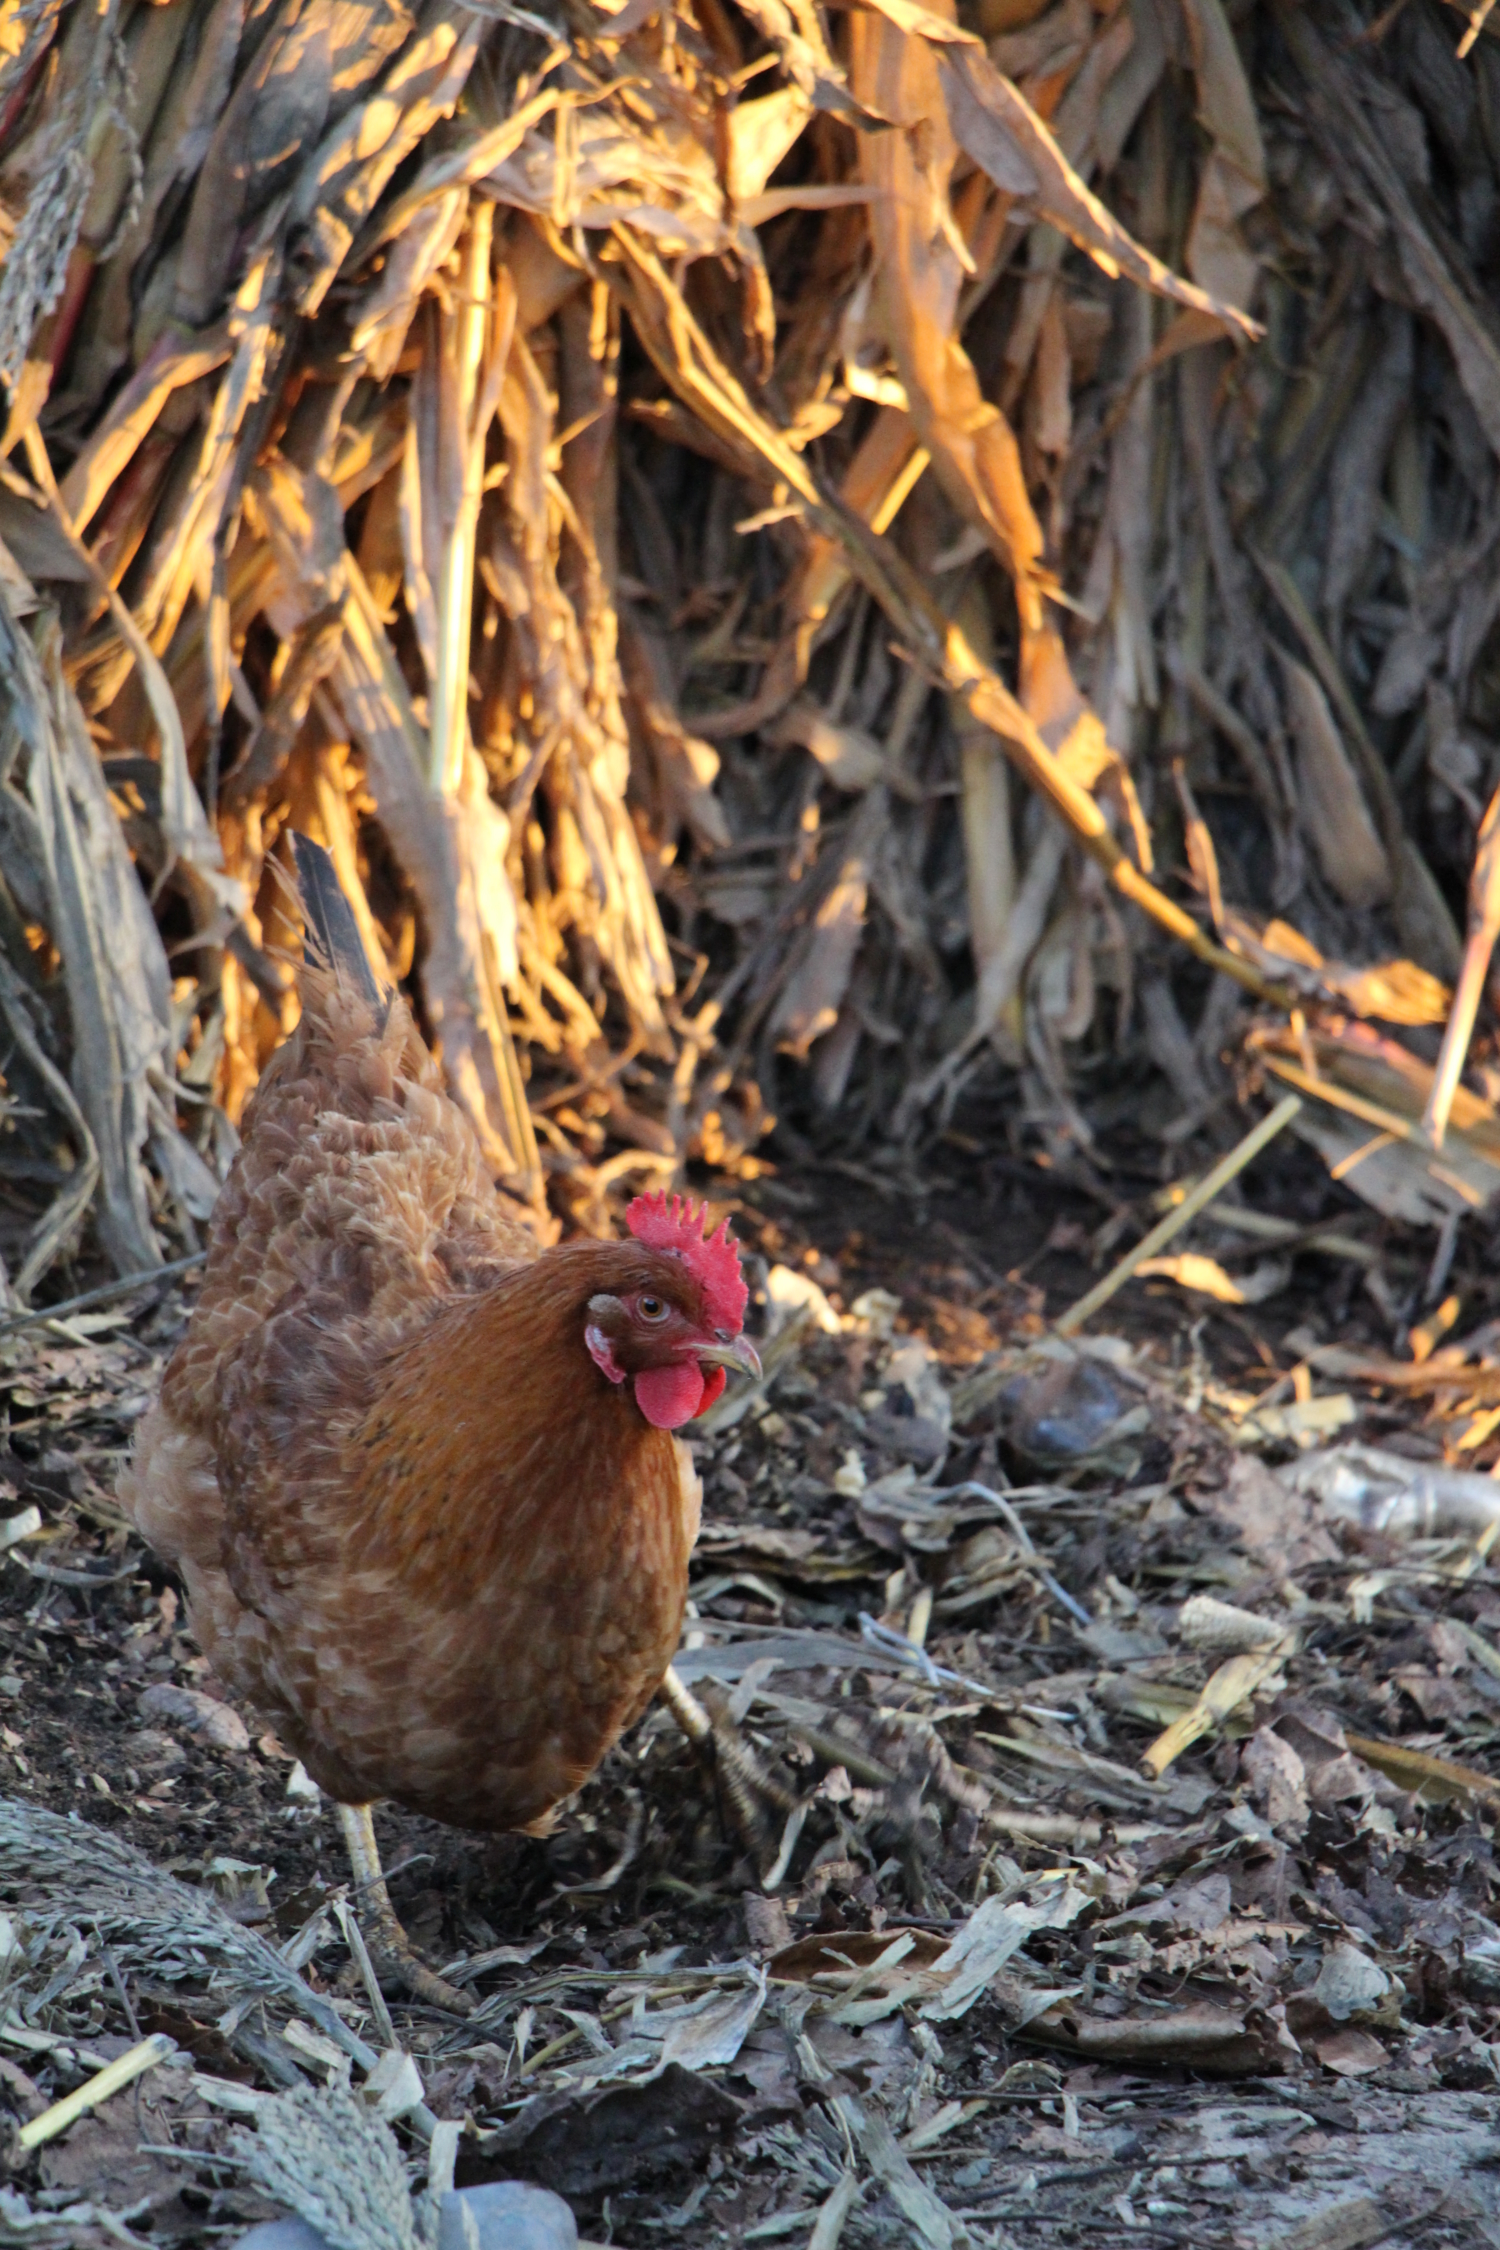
(646, 485)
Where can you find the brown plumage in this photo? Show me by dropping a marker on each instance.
(425, 1525)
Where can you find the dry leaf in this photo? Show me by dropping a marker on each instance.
(1334, 811)
(1350, 2052)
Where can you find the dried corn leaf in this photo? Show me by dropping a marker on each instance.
(1334, 812)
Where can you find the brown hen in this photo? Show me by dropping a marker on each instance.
(419, 1475)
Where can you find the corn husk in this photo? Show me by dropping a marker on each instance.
(662, 500)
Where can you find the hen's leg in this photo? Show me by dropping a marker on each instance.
(748, 1794)
(388, 1941)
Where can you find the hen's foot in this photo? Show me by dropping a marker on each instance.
(393, 1950)
(756, 1806)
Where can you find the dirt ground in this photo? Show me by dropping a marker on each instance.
(1264, 2006)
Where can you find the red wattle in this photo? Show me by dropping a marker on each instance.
(669, 1396)
(713, 1383)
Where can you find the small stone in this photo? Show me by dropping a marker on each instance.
(11, 1685)
(282, 2234)
(211, 1721)
(506, 2215)
(502, 2215)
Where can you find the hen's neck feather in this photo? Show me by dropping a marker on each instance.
(493, 1434)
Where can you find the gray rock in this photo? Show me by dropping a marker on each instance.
(502, 2215)
(201, 1714)
(506, 2215)
(282, 2234)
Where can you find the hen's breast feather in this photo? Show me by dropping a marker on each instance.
(454, 1609)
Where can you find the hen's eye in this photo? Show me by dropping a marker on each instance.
(651, 1308)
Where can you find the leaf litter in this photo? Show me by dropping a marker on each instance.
(637, 488)
(1007, 1963)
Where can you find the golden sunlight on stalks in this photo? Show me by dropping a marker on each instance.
(804, 564)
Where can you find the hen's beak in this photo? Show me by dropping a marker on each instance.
(741, 1353)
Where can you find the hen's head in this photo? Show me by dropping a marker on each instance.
(674, 1328)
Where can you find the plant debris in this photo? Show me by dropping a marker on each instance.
(1008, 1965)
(644, 485)
(634, 486)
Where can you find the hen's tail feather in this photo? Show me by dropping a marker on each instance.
(332, 934)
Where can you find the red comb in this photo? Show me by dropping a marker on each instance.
(682, 1226)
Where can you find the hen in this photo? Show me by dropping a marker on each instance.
(418, 1475)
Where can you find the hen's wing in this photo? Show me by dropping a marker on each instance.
(358, 1205)
(359, 1181)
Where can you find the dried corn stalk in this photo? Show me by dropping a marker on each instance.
(630, 485)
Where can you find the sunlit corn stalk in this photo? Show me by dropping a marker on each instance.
(1484, 928)
(476, 344)
(470, 325)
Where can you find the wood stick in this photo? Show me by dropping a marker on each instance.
(1484, 928)
(131, 2065)
(107, 1294)
(1213, 1183)
(1233, 1684)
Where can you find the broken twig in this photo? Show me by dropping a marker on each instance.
(1213, 1183)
